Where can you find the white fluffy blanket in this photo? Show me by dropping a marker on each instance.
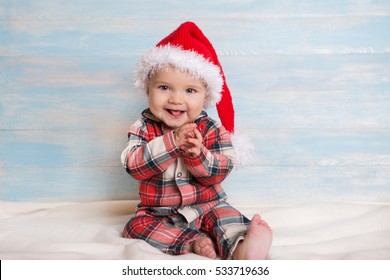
(92, 230)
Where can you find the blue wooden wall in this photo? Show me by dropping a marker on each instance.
(310, 82)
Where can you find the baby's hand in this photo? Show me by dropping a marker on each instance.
(183, 133)
(189, 139)
(195, 143)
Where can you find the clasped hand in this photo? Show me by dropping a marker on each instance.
(189, 139)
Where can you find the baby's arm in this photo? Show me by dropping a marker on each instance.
(215, 160)
(143, 159)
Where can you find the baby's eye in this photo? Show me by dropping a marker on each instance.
(190, 90)
(162, 87)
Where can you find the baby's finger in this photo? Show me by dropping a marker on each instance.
(190, 126)
(193, 151)
(190, 134)
(197, 134)
(182, 131)
(194, 142)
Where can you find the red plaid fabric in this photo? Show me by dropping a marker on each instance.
(169, 178)
(172, 183)
(223, 224)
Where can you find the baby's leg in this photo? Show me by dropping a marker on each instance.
(257, 241)
(161, 233)
(224, 224)
(203, 246)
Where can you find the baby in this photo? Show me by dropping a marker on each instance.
(180, 155)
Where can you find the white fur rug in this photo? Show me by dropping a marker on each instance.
(92, 230)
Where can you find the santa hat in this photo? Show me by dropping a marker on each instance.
(187, 48)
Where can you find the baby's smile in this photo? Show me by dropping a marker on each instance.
(175, 113)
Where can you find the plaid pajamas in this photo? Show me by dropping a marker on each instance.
(223, 224)
(181, 198)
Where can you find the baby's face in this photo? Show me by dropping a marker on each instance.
(175, 97)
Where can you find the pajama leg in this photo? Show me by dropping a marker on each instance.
(161, 233)
(226, 226)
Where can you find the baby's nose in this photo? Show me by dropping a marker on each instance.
(175, 98)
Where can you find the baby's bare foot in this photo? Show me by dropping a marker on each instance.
(257, 241)
(203, 246)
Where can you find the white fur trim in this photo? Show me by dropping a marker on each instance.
(191, 61)
(243, 148)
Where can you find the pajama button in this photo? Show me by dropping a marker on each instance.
(179, 174)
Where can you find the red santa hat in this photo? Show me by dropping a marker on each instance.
(188, 49)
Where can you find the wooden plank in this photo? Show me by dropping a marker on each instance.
(349, 110)
(276, 183)
(309, 183)
(284, 147)
(66, 184)
(308, 91)
(336, 35)
(37, 74)
(265, 73)
(320, 147)
(310, 82)
(201, 9)
(74, 110)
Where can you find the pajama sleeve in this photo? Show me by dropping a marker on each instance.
(216, 159)
(143, 159)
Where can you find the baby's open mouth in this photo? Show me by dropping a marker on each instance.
(175, 113)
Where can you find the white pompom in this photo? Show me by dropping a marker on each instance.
(243, 148)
